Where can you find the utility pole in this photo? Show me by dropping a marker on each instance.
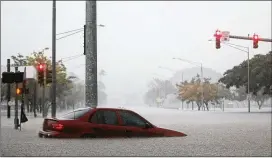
(8, 90)
(91, 55)
(16, 120)
(53, 106)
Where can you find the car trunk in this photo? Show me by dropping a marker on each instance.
(48, 122)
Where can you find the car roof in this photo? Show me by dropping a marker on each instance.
(103, 108)
(118, 109)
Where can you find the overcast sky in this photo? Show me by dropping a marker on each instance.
(138, 36)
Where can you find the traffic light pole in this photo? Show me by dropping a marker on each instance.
(43, 91)
(248, 80)
(8, 90)
(23, 97)
(248, 69)
(16, 120)
(35, 99)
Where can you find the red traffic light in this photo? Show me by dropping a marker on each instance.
(255, 41)
(41, 67)
(218, 34)
(255, 37)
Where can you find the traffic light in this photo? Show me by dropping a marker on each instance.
(217, 36)
(11, 77)
(84, 46)
(255, 41)
(41, 68)
(48, 76)
(19, 91)
(18, 77)
(8, 77)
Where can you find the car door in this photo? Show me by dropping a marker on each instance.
(133, 125)
(105, 123)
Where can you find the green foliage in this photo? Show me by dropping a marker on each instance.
(64, 82)
(192, 91)
(260, 74)
(102, 96)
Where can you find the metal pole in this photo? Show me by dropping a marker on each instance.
(43, 91)
(250, 38)
(35, 99)
(202, 82)
(8, 90)
(16, 120)
(91, 55)
(54, 87)
(248, 80)
(23, 98)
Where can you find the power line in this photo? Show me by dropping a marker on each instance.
(69, 31)
(73, 58)
(69, 35)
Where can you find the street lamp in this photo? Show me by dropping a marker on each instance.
(202, 79)
(246, 49)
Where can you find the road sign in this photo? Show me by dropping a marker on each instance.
(225, 36)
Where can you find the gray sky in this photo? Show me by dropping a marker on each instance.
(138, 37)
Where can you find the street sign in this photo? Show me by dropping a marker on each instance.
(225, 36)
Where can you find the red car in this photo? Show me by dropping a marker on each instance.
(102, 123)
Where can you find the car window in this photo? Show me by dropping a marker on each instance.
(75, 115)
(131, 119)
(104, 117)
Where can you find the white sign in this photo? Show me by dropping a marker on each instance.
(225, 36)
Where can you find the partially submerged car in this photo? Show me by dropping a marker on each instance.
(102, 123)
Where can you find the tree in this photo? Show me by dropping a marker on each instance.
(260, 98)
(158, 91)
(260, 74)
(192, 92)
(102, 96)
(64, 82)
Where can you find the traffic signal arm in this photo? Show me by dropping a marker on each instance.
(250, 38)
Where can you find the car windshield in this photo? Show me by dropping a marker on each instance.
(75, 114)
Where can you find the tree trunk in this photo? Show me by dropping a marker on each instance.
(207, 106)
(198, 106)
(30, 106)
(260, 104)
(46, 109)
